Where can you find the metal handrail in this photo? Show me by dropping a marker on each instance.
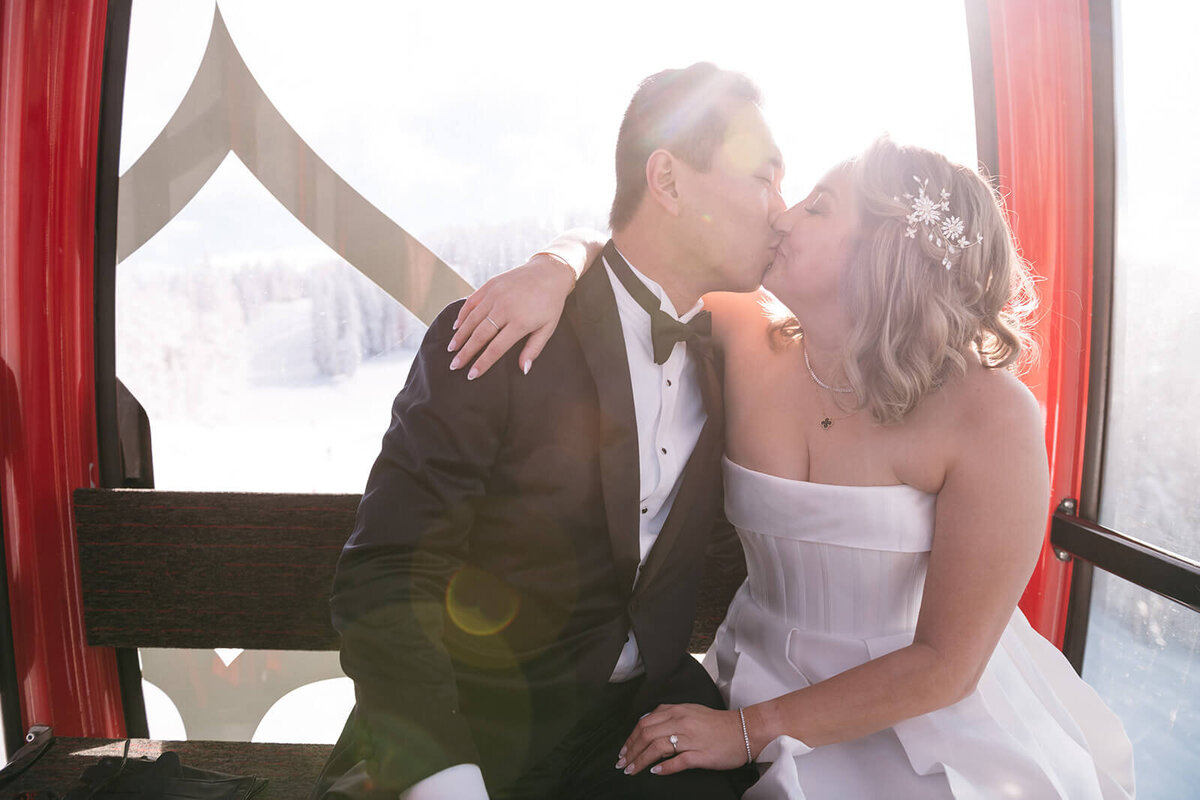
(1160, 571)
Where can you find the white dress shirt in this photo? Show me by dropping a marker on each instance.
(670, 413)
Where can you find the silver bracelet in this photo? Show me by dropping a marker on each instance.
(745, 736)
(559, 259)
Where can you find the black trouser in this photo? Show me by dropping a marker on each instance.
(582, 766)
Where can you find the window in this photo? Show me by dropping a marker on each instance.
(251, 321)
(1143, 651)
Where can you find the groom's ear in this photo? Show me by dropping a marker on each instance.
(661, 177)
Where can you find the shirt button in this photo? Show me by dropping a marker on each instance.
(645, 510)
(664, 451)
(668, 381)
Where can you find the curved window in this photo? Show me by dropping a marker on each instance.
(303, 185)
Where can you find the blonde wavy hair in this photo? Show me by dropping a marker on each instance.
(915, 322)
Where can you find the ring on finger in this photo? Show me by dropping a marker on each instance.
(489, 319)
(674, 740)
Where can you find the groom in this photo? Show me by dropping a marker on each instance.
(520, 583)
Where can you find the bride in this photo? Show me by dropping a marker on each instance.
(887, 476)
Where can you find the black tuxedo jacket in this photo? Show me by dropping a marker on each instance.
(489, 584)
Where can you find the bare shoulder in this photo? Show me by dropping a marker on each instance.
(995, 413)
(997, 396)
(739, 317)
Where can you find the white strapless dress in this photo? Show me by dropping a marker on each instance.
(835, 575)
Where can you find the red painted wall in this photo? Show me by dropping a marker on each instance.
(51, 57)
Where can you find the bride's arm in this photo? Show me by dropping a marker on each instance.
(528, 301)
(525, 301)
(990, 521)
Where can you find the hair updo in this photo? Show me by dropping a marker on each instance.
(915, 321)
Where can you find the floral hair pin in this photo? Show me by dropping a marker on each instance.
(945, 231)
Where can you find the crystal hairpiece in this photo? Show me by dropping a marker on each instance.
(944, 231)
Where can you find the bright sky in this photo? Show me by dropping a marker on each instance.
(454, 113)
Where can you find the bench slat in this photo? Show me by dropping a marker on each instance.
(210, 569)
(243, 569)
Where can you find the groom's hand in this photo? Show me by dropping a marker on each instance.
(703, 737)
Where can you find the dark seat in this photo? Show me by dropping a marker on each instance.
(229, 569)
(232, 569)
(210, 569)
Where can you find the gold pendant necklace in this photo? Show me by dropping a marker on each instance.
(827, 421)
(818, 384)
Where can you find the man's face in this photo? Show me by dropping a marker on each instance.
(729, 209)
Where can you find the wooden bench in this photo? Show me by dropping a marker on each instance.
(237, 570)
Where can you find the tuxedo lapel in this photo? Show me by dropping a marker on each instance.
(708, 447)
(592, 311)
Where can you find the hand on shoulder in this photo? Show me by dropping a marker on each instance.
(525, 301)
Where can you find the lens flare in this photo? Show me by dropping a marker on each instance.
(748, 145)
(480, 604)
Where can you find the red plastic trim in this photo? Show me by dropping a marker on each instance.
(51, 60)
(1042, 67)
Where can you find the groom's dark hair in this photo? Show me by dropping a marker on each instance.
(683, 111)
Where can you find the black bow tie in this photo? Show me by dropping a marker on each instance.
(665, 330)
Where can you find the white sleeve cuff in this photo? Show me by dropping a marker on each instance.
(462, 781)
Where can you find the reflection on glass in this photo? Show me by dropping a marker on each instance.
(1143, 657)
(1143, 652)
(1153, 435)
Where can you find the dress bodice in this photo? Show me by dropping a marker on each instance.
(849, 560)
(835, 576)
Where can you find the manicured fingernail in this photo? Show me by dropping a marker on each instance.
(473, 374)
(655, 770)
(454, 327)
(526, 367)
(454, 363)
(624, 750)
(629, 770)
(450, 348)
(620, 763)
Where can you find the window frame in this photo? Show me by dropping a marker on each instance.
(1076, 533)
(110, 463)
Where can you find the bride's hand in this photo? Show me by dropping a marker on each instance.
(526, 301)
(705, 738)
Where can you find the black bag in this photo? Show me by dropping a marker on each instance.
(164, 778)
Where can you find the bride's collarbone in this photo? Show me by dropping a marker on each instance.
(855, 451)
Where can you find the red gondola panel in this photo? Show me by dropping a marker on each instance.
(50, 79)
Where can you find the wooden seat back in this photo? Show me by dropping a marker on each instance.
(237, 569)
(209, 569)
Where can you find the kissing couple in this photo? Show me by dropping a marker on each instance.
(834, 381)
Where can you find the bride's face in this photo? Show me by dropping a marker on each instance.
(818, 235)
